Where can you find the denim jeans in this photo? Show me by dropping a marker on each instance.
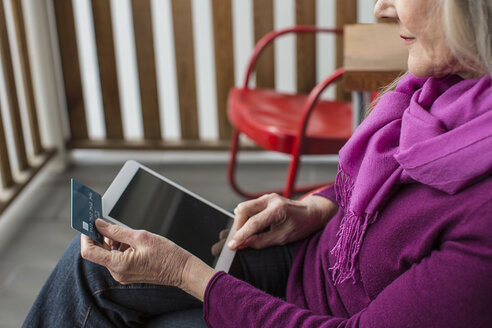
(79, 293)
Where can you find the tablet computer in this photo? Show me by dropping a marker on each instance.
(140, 198)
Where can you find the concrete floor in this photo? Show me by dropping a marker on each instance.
(27, 261)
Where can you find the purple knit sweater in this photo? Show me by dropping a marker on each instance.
(425, 262)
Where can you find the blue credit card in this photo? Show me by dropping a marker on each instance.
(86, 208)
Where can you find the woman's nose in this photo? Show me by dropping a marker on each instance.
(385, 9)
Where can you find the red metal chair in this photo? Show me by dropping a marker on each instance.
(291, 124)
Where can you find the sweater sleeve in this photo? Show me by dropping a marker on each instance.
(451, 287)
(327, 192)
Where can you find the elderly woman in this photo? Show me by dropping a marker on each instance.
(403, 239)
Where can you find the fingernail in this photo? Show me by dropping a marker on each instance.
(232, 244)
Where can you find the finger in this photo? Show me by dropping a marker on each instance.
(254, 225)
(90, 251)
(224, 233)
(108, 244)
(266, 239)
(217, 248)
(247, 209)
(85, 240)
(116, 232)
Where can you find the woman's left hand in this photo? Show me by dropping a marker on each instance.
(148, 258)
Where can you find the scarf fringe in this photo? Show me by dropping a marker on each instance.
(351, 232)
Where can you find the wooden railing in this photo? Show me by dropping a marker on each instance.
(18, 165)
(184, 53)
(22, 149)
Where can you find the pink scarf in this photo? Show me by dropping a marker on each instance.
(433, 131)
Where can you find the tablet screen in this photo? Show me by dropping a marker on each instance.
(153, 204)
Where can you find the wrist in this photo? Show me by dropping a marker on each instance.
(320, 208)
(195, 277)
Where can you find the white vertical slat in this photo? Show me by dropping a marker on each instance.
(205, 69)
(285, 47)
(89, 71)
(365, 11)
(47, 74)
(19, 82)
(242, 24)
(166, 69)
(325, 43)
(7, 126)
(47, 77)
(126, 64)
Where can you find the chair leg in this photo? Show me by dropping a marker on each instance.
(231, 168)
(290, 186)
(231, 171)
(291, 175)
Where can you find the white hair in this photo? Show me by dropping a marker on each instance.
(468, 26)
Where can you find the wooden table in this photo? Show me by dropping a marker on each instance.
(374, 55)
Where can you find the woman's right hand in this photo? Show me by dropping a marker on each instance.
(275, 220)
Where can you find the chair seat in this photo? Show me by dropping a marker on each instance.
(271, 120)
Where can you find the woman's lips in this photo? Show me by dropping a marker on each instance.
(408, 40)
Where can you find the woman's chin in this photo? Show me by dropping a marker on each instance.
(420, 69)
(433, 66)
